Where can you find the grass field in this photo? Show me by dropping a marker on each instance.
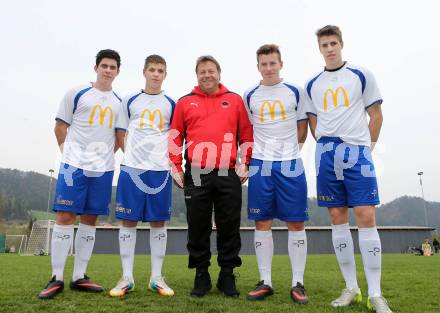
(410, 283)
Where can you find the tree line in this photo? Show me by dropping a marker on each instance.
(23, 192)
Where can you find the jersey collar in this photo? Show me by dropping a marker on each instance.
(336, 69)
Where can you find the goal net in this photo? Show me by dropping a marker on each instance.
(39, 239)
(16, 243)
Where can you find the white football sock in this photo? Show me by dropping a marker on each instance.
(158, 247)
(344, 250)
(297, 246)
(62, 236)
(127, 245)
(264, 253)
(84, 242)
(371, 250)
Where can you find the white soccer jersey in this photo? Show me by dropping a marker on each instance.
(147, 118)
(340, 99)
(91, 114)
(274, 112)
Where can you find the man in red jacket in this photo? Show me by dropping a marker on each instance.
(211, 120)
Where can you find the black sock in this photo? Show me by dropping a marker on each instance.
(200, 270)
(227, 270)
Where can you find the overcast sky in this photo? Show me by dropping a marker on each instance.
(49, 47)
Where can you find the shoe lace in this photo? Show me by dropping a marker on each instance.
(123, 282)
(380, 304)
(345, 295)
(160, 281)
(300, 288)
(53, 279)
(229, 280)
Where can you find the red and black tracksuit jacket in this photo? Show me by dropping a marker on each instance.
(211, 125)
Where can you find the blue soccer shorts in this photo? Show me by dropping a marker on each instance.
(345, 174)
(83, 192)
(143, 195)
(277, 189)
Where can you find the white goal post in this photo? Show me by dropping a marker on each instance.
(39, 239)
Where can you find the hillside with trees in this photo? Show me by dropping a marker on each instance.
(22, 193)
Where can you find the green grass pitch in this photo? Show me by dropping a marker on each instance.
(411, 284)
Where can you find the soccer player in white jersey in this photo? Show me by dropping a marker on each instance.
(144, 185)
(85, 131)
(277, 183)
(340, 100)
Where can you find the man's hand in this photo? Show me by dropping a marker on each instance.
(178, 179)
(243, 172)
(375, 124)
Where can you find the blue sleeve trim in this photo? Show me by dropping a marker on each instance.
(116, 95)
(310, 84)
(311, 113)
(61, 120)
(248, 97)
(79, 95)
(173, 105)
(303, 119)
(121, 129)
(129, 103)
(295, 91)
(374, 103)
(361, 77)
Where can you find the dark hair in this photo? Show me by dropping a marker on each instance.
(268, 49)
(329, 30)
(208, 58)
(154, 58)
(110, 54)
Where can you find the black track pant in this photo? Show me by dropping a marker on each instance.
(221, 191)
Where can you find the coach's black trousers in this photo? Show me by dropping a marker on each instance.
(221, 191)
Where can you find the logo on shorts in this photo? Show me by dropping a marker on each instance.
(258, 244)
(272, 105)
(326, 198)
(151, 118)
(376, 250)
(64, 201)
(88, 238)
(341, 247)
(122, 210)
(299, 242)
(254, 211)
(334, 97)
(102, 115)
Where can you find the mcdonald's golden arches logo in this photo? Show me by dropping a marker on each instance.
(151, 117)
(334, 95)
(102, 114)
(272, 105)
